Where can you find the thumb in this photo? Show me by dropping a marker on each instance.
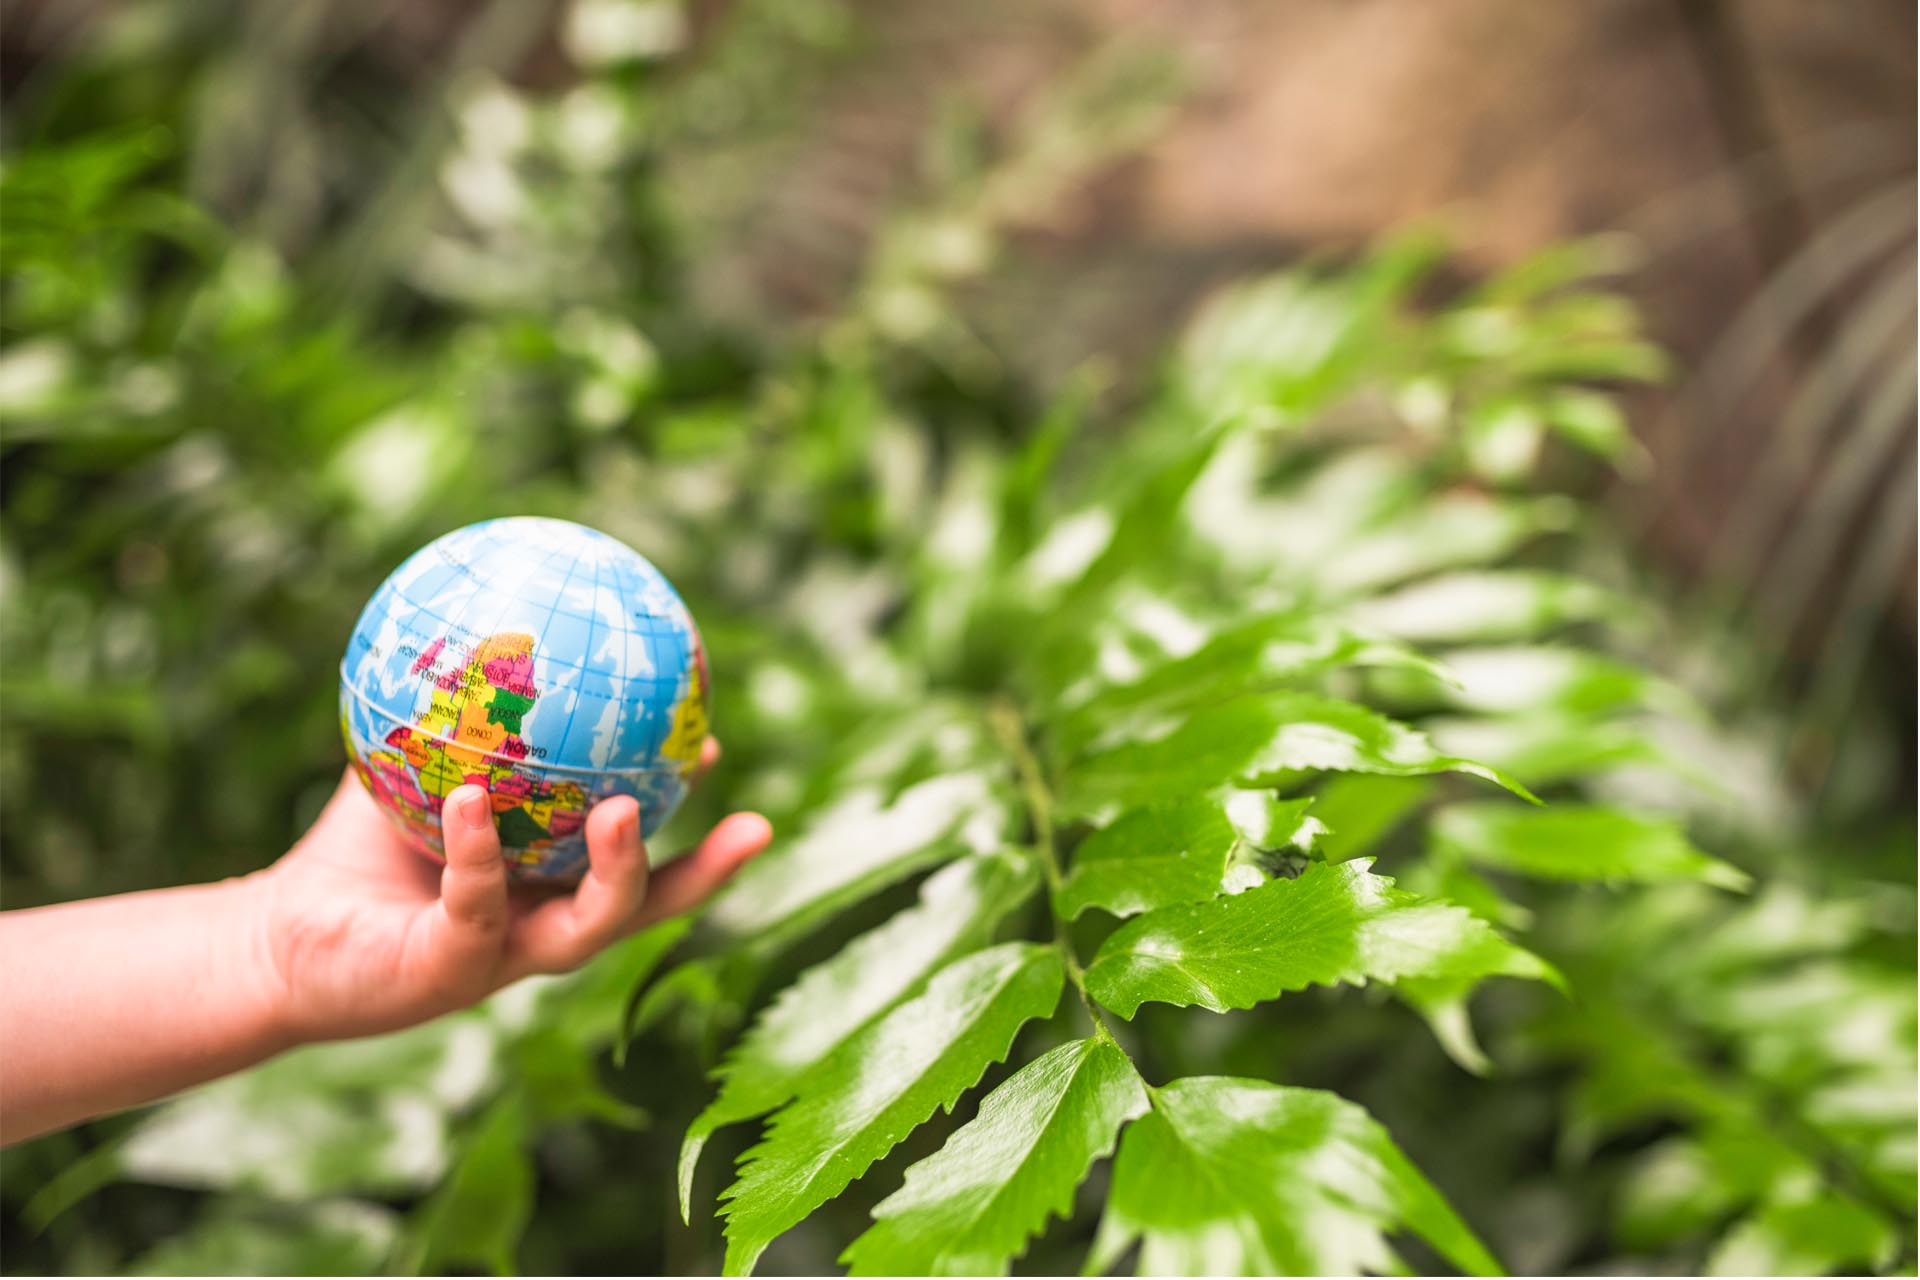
(473, 887)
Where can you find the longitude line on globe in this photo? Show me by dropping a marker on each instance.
(586, 650)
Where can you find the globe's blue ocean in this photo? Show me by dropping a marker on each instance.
(544, 659)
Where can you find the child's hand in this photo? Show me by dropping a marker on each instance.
(360, 934)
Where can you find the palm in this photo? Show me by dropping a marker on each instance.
(352, 921)
(368, 935)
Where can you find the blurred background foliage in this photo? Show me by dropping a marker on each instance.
(811, 302)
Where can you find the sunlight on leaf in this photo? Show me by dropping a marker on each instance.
(958, 909)
(972, 1206)
(881, 1085)
(1241, 1177)
(1335, 924)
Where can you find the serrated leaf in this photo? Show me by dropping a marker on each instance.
(1479, 606)
(1336, 923)
(1325, 733)
(1441, 998)
(881, 1085)
(1261, 653)
(1257, 742)
(859, 846)
(974, 1205)
(1150, 857)
(958, 909)
(1578, 842)
(1239, 1177)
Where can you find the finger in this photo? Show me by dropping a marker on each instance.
(473, 886)
(564, 933)
(709, 757)
(693, 879)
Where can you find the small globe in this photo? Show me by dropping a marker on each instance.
(541, 659)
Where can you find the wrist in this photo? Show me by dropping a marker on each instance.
(260, 981)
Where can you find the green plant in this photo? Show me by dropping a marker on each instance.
(1151, 719)
(1157, 868)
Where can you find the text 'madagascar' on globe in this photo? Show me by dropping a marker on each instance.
(545, 660)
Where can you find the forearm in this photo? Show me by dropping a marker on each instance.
(117, 1001)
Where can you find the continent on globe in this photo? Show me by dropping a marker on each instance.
(585, 678)
(470, 732)
(689, 732)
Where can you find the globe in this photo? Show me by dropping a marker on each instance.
(544, 660)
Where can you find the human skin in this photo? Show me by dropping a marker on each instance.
(117, 1001)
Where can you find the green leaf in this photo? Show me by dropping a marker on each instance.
(1257, 742)
(1444, 877)
(1486, 605)
(1324, 733)
(1448, 531)
(881, 1085)
(1261, 653)
(1361, 810)
(1820, 1235)
(1549, 747)
(479, 1213)
(1682, 1185)
(1336, 923)
(1142, 521)
(1522, 678)
(1592, 420)
(1577, 842)
(974, 1205)
(561, 1080)
(1150, 857)
(1501, 437)
(1554, 268)
(1294, 535)
(703, 999)
(1266, 822)
(580, 1002)
(958, 909)
(1239, 1177)
(1441, 997)
(856, 848)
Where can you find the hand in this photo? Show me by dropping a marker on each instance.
(359, 934)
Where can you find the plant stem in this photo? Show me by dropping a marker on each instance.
(1011, 728)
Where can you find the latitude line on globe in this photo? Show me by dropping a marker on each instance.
(550, 661)
(387, 716)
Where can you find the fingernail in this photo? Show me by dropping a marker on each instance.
(476, 809)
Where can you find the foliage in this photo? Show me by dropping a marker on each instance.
(1105, 755)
